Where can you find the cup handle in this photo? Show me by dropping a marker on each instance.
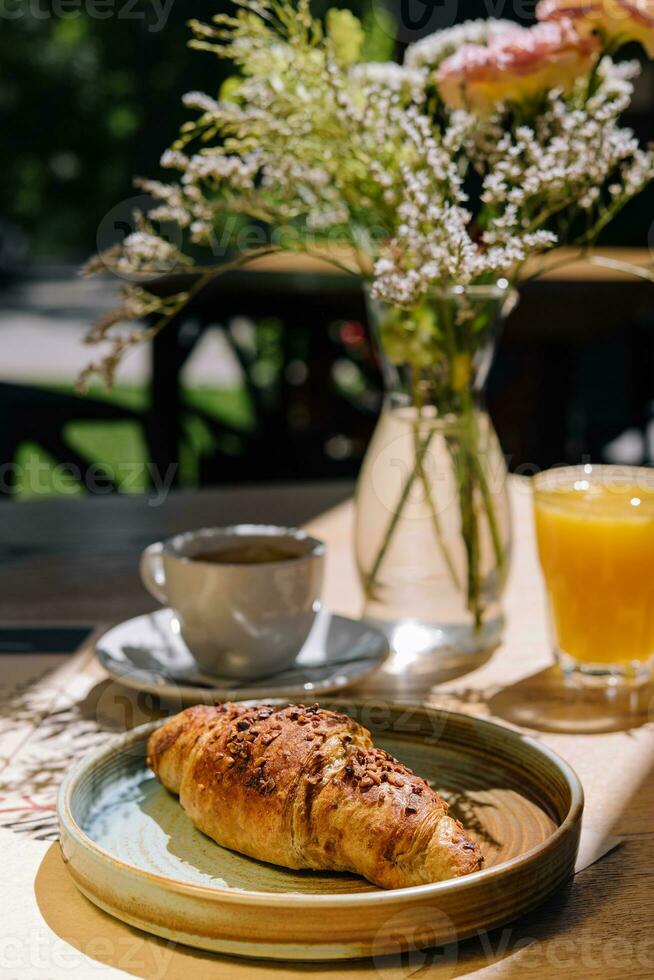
(152, 572)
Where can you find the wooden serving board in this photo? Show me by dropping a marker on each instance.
(133, 852)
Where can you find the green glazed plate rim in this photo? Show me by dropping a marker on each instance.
(292, 899)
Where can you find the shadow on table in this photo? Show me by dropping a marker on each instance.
(541, 702)
(547, 702)
(107, 941)
(414, 677)
(118, 708)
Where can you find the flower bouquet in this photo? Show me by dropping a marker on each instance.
(439, 181)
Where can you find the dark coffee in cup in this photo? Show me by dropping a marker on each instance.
(255, 552)
(246, 596)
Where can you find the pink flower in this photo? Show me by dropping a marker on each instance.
(618, 21)
(516, 65)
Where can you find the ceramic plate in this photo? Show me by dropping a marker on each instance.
(132, 851)
(149, 654)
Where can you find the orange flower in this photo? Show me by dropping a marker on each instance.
(516, 65)
(618, 20)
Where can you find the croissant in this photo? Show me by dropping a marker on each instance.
(306, 788)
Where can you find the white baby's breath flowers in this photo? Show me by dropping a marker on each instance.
(573, 156)
(307, 139)
(145, 252)
(397, 78)
(174, 160)
(167, 212)
(637, 173)
(335, 147)
(433, 246)
(314, 146)
(217, 167)
(200, 101)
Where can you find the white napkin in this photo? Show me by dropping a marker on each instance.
(593, 846)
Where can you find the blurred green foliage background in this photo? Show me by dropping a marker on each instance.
(90, 95)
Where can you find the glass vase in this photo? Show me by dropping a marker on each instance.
(433, 530)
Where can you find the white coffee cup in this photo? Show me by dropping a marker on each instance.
(240, 619)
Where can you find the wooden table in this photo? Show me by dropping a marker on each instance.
(577, 310)
(559, 265)
(76, 560)
(601, 927)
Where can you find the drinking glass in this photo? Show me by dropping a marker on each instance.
(595, 533)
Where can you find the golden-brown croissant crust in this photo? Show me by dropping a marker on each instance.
(306, 788)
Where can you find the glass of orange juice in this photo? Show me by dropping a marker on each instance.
(595, 532)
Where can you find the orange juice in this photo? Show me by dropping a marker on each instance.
(596, 543)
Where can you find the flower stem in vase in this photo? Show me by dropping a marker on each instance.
(462, 455)
(436, 356)
(433, 510)
(489, 507)
(470, 531)
(371, 578)
(421, 447)
(420, 454)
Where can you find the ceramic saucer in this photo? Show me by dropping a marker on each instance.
(148, 653)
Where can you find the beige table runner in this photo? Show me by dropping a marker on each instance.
(48, 718)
